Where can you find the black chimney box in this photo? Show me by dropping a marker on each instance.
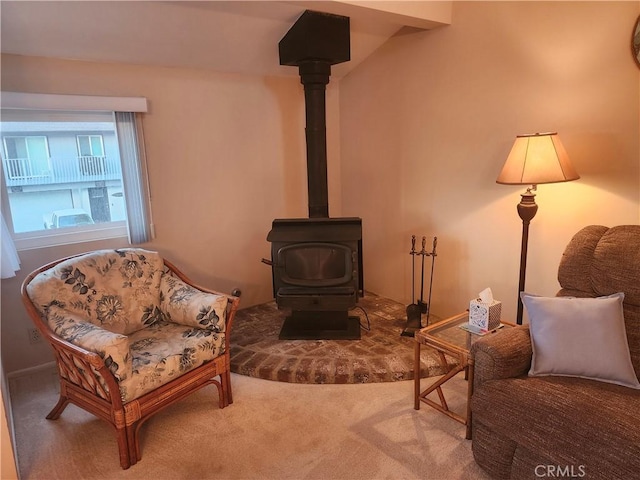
(316, 36)
(314, 43)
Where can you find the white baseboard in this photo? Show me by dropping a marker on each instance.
(31, 370)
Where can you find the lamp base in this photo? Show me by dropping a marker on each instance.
(527, 209)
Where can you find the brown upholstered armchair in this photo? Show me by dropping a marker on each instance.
(131, 335)
(564, 426)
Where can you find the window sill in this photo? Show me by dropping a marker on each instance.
(66, 236)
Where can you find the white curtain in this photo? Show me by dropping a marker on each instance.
(9, 262)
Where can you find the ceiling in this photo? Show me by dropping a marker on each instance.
(227, 36)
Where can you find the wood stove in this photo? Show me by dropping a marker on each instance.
(317, 261)
(317, 273)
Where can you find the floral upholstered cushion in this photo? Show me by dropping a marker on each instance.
(186, 305)
(149, 326)
(115, 289)
(164, 351)
(113, 348)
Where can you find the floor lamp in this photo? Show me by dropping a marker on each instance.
(534, 159)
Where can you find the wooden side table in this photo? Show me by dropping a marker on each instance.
(446, 337)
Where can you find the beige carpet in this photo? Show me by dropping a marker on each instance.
(273, 430)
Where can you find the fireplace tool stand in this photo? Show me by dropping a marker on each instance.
(416, 310)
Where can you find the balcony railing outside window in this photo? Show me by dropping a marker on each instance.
(20, 171)
(92, 165)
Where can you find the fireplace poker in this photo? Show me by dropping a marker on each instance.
(433, 260)
(423, 253)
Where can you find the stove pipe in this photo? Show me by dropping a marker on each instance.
(314, 43)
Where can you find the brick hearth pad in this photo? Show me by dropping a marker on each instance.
(381, 355)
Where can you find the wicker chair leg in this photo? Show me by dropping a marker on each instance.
(123, 448)
(136, 455)
(54, 414)
(227, 374)
(132, 442)
(222, 391)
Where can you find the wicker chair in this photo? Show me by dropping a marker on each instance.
(131, 335)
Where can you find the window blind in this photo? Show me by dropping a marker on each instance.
(133, 178)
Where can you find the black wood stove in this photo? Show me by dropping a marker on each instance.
(317, 261)
(317, 273)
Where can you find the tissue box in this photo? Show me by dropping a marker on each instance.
(485, 315)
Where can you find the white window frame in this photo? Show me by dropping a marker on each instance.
(69, 235)
(118, 229)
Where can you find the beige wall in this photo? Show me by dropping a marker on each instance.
(226, 155)
(428, 120)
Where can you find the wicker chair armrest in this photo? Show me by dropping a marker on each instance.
(85, 368)
(505, 354)
(113, 348)
(82, 354)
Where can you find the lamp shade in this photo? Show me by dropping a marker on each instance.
(537, 158)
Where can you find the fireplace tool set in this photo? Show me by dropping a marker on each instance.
(418, 308)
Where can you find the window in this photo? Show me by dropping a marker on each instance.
(71, 175)
(90, 146)
(26, 156)
(91, 158)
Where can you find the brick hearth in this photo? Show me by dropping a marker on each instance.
(381, 355)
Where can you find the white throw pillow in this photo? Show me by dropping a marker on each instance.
(580, 337)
